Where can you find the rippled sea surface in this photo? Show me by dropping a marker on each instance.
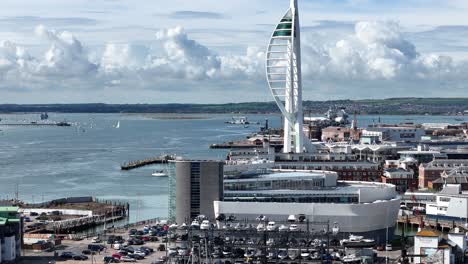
(48, 162)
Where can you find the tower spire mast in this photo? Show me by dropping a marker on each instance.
(283, 67)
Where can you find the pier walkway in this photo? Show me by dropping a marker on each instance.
(149, 161)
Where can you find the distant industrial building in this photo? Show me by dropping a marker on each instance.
(194, 185)
(10, 234)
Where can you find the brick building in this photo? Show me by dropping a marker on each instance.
(432, 171)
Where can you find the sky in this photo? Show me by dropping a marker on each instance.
(211, 51)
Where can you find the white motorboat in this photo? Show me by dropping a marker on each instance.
(357, 241)
(305, 254)
(205, 225)
(351, 259)
(160, 173)
(195, 224)
(283, 228)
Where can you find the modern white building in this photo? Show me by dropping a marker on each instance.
(392, 134)
(450, 204)
(367, 208)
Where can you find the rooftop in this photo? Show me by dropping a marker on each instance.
(9, 208)
(286, 175)
(428, 233)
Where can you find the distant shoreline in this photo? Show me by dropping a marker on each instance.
(391, 106)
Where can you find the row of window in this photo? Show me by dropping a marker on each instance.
(342, 199)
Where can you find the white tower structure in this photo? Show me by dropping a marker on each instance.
(283, 70)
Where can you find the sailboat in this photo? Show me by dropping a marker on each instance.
(118, 124)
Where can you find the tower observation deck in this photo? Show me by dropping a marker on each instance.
(283, 70)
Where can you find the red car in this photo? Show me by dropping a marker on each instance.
(117, 256)
(145, 238)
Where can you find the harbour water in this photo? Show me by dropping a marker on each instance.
(48, 162)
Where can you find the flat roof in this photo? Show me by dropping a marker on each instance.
(419, 152)
(283, 175)
(9, 208)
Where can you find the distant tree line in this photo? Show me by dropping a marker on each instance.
(402, 106)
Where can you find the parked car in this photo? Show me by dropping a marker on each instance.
(86, 252)
(147, 249)
(135, 256)
(79, 257)
(66, 255)
(96, 247)
(109, 259)
(128, 259)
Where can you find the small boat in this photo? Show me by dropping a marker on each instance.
(293, 253)
(63, 124)
(118, 124)
(283, 254)
(357, 241)
(195, 224)
(351, 259)
(159, 174)
(305, 254)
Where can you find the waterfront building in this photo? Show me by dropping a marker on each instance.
(340, 134)
(193, 186)
(367, 208)
(401, 178)
(438, 249)
(450, 204)
(11, 231)
(433, 170)
(379, 134)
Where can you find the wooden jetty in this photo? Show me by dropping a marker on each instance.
(149, 161)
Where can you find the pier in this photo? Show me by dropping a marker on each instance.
(69, 215)
(149, 161)
(439, 224)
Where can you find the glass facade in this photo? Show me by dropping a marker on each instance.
(284, 26)
(282, 33)
(275, 184)
(194, 189)
(291, 197)
(172, 191)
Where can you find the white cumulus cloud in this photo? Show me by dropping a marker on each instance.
(377, 51)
